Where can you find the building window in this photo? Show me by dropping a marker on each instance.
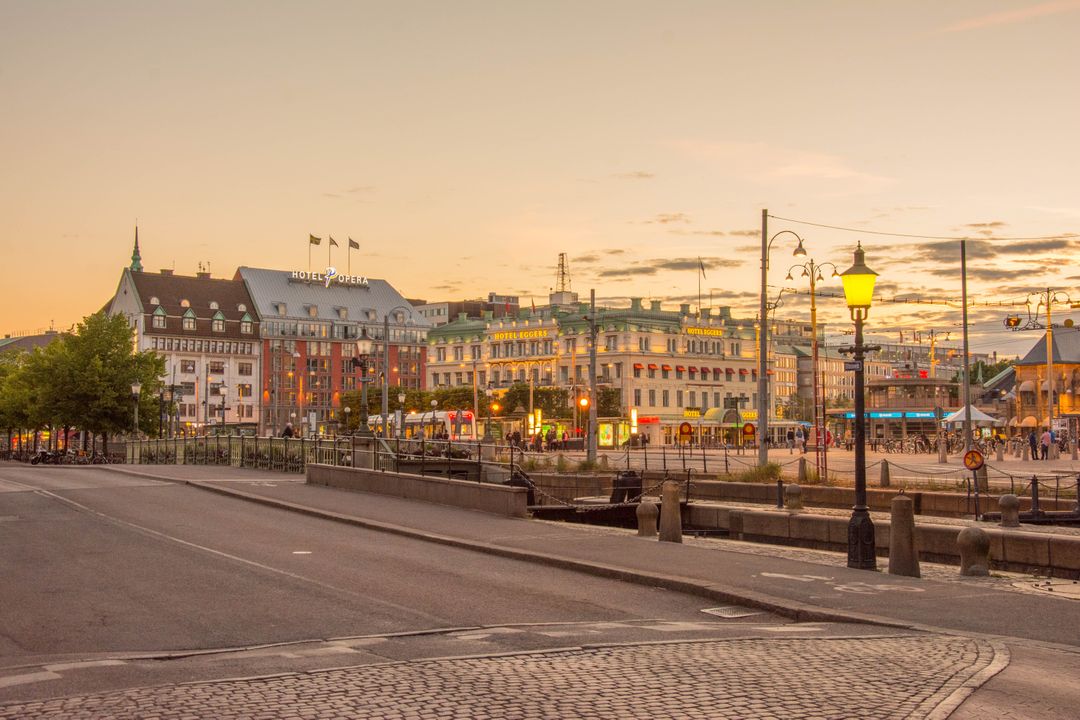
(637, 397)
(652, 398)
(159, 319)
(187, 366)
(637, 372)
(217, 367)
(440, 354)
(243, 368)
(217, 324)
(189, 320)
(665, 397)
(678, 398)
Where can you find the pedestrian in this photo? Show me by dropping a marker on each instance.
(1033, 443)
(288, 431)
(790, 439)
(1045, 441)
(800, 439)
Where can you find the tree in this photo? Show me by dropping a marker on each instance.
(609, 404)
(553, 402)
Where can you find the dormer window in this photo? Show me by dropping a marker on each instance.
(281, 308)
(342, 313)
(185, 304)
(154, 301)
(189, 319)
(213, 305)
(246, 325)
(217, 324)
(241, 308)
(158, 321)
(313, 310)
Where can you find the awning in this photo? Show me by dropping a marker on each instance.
(638, 366)
(1027, 386)
(770, 372)
(679, 368)
(729, 370)
(652, 366)
(1012, 422)
(665, 368)
(1029, 421)
(692, 369)
(744, 371)
(703, 369)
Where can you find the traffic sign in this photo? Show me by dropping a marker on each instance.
(686, 429)
(973, 460)
(748, 429)
(855, 365)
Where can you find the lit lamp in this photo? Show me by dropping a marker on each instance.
(136, 390)
(224, 390)
(583, 403)
(401, 412)
(858, 293)
(348, 427)
(364, 348)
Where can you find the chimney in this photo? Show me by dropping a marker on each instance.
(635, 303)
(166, 271)
(705, 312)
(684, 309)
(202, 275)
(654, 305)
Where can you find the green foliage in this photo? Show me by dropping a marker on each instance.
(769, 472)
(553, 402)
(82, 380)
(609, 403)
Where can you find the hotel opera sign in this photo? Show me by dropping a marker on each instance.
(330, 276)
(519, 335)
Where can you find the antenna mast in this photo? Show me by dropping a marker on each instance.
(562, 277)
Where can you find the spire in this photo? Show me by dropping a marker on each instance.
(136, 258)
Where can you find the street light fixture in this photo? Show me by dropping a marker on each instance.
(136, 390)
(763, 334)
(434, 404)
(812, 270)
(859, 292)
(364, 346)
(348, 427)
(224, 390)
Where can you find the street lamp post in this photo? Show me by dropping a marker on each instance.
(763, 335)
(364, 347)
(224, 390)
(401, 415)
(348, 427)
(386, 366)
(161, 412)
(812, 270)
(136, 390)
(434, 404)
(858, 291)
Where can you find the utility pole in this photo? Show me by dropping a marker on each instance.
(967, 357)
(590, 454)
(763, 348)
(386, 376)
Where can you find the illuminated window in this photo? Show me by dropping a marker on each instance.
(189, 320)
(159, 319)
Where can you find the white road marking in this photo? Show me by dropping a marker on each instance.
(301, 552)
(11, 680)
(60, 667)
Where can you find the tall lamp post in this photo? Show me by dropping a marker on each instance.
(812, 270)
(364, 346)
(348, 426)
(763, 336)
(136, 390)
(224, 390)
(858, 292)
(386, 366)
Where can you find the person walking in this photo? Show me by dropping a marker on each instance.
(790, 440)
(1033, 443)
(1045, 441)
(800, 439)
(288, 431)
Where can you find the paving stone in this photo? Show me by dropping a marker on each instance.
(901, 676)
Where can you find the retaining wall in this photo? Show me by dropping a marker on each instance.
(497, 499)
(1010, 549)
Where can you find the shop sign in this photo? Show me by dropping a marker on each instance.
(708, 332)
(924, 414)
(520, 334)
(691, 413)
(686, 430)
(748, 414)
(749, 429)
(330, 277)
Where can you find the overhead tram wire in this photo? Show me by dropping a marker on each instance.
(1059, 236)
(911, 301)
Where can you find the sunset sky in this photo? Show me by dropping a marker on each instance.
(465, 144)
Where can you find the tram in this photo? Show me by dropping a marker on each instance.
(452, 424)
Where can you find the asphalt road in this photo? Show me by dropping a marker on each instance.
(99, 565)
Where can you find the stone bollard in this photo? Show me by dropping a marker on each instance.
(1019, 451)
(974, 544)
(885, 479)
(802, 471)
(1010, 510)
(647, 513)
(604, 462)
(1073, 451)
(999, 452)
(903, 556)
(793, 497)
(670, 513)
(942, 453)
(984, 482)
(1025, 454)
(1055, 452)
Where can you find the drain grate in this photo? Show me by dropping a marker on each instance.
(731, 612)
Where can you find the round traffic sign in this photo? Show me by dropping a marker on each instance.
(686, 429)
(748, 429)
(973, 459)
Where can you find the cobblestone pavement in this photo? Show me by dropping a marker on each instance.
(888, 676)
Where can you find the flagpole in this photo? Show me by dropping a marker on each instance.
(328, 246)
(309, 255)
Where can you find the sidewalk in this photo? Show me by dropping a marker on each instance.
(797, 588)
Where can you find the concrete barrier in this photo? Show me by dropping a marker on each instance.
(497, 499)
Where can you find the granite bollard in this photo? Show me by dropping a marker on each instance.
(793, 497)
(670, 513)
(1010, 510)
(885, 474)
(647, 512)
(903, 555)
(974, 544)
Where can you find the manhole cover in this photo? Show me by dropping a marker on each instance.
(1061, 588)
(731, 611)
